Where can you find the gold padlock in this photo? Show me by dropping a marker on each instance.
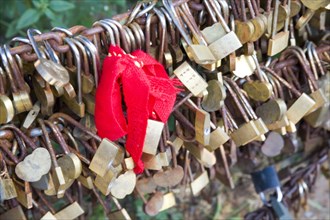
(104, 183)
(226, 44)
(299, 108)
(217, 138)
(153, 134)
(191, 79)
(278, 41)
(104, 157)
(199, 183)
(72, 211)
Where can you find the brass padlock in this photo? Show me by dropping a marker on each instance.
(104, 157)
(104, 183)
(56, 171)
(6, 106)
(227, 44)
(218, 137)
(191, 79)
(299, 108)
(7, 189)
(76, 104)
(50, 71)
(87, 79)
(199, 183)
(120, 213)
(205, 157)
(278, 41)
(251, 129)
(169, 201)
(153, 134)
(72, 211)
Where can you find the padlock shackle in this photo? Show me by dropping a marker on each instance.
(30, 33)
(107, 29)
(77, 60)
(75, 123)
(266, 202)
(58, 136)
(8, 71)
(168, 4)
(48, 142)
(18, 131)
(283, 81)
(19, 80)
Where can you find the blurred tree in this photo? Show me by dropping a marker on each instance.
(19, 15)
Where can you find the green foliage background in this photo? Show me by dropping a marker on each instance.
(18, 15)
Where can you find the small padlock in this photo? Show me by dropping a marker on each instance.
(278, 41)
(153, 134)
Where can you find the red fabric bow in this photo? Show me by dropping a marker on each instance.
(148, 93)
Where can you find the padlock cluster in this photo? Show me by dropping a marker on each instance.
(251, 81)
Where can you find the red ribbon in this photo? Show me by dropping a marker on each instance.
(148, 93)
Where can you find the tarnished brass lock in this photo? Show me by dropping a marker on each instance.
(104, 183)
(104, 157)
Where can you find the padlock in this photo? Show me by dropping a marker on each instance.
(22, 86)
(104, 183)
(17, 97)
(104, 157)
(153, 134)
(200, 53)
(76, 104)
(169, 201)
(266, 180)
(199, 183)
(300, 106)
(50, 71)
(260, 89)
(6, 106)
(227, 44)
(258, 122)
(205, 157)
(215, 97)
(69, 163)
(7, 186)
(278, 41)
(218, 137)
(191, 79)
